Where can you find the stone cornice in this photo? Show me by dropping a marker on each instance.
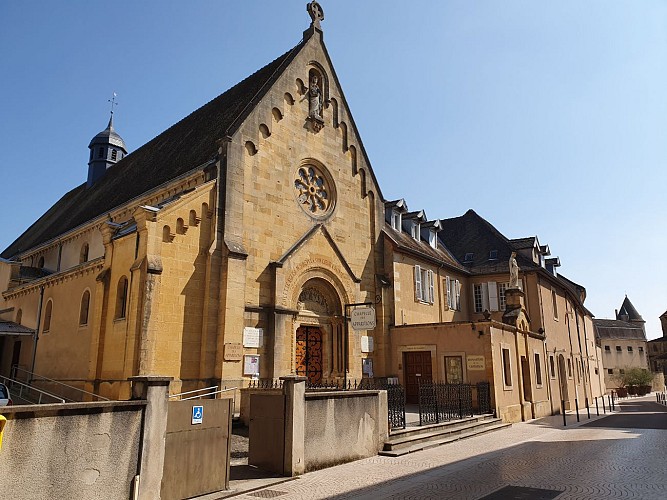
(93, 266)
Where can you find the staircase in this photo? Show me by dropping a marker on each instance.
(411, 439)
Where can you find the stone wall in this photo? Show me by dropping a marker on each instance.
(80, 450)
(344, 426)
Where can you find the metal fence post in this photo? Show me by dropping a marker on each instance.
(562, 409)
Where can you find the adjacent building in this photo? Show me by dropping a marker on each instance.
(623, 342)
(657, 349)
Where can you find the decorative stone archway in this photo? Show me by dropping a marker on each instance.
(318, 332)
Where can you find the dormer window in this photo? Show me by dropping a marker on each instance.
(493, 255)
(396, 220)
(414, 231)
(433, 238)
(468, 257)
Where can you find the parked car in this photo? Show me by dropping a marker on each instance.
(5, 399)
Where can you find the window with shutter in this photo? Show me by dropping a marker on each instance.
(493, 296)
(458, 295)
(418, 283)
(448, 303)
(431, 291)
(485, 297)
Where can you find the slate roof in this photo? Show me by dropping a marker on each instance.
(617, 329)
(11, 328)
(470, 233)
(406, 242)
(628, 309)
(188, 144)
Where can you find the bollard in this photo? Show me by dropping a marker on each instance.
(562, 409)
(576, 405)
(597, 408)
(588, 411)
(613, 401)
(603, 408)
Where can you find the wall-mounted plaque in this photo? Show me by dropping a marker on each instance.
(251, 365)
(253, 337)
(233, 352)
(475, 363)
(366, 344)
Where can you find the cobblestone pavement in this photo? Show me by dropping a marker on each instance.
(603, 460)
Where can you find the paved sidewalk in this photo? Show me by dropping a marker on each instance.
(580, 461)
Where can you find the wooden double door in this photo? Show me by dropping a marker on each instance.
(417, 367)
(309, 353)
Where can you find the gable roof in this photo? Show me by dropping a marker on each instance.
(470, 233)
(184, 147)
(617, 329)
(407, 243)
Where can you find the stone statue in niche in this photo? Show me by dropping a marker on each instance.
(314, 99)
(514, 271)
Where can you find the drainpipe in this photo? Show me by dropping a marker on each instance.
(36, 336)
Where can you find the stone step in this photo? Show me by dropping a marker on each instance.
(450, 438)
(439, 432)
(423, 429)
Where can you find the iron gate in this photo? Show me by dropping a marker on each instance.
(440, 402)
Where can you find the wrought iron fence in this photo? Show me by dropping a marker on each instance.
(440, 402)
(395, 392)
(266, 383)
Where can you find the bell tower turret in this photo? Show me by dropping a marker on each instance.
(106, 149)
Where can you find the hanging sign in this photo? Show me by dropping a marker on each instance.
(363, 318)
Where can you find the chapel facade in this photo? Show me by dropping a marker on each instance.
(234, 246)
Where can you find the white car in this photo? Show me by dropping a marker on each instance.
(5, 399)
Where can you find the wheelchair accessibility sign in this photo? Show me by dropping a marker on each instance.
(197, 414)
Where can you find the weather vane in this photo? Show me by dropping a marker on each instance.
(113, 102)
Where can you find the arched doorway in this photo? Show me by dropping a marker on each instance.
(318, 339)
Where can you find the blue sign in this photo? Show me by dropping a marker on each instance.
(197, 414)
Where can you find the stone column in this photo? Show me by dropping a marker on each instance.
(155, 390)
(294, 389)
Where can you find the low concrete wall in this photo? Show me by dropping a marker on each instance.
(342, 426)
(65, 451)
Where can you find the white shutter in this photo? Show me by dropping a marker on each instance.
(485, 297)
(493, 295)
(431, 294)
(448, 302)
(457, 304)
(418, 283)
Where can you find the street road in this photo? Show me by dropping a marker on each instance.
(623, 455)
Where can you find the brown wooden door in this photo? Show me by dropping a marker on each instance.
(417, 367)
(309, 353)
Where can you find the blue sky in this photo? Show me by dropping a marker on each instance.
(548, 119)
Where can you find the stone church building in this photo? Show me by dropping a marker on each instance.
(235, 244)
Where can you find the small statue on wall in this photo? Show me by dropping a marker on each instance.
(315, 99)
(514, 271)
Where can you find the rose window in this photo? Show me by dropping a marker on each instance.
(314, 190)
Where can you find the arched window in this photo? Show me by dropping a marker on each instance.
(83, 256)
(40, 262)
(19, 316)
(85, 305)
(121, 298)
(47, 316)
(180, 226)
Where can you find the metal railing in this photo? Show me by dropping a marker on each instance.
(29, 393)
(34, 377)
(440, 402)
